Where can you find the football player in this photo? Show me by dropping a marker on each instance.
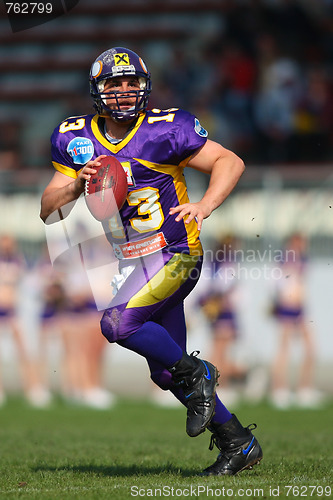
(156, 236)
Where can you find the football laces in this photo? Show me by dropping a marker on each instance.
(86, 188)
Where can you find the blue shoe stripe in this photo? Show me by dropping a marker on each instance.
(189, 394)
(245, 452)
(208, 376)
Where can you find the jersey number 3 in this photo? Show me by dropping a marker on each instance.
(150, 214)
(77, 125)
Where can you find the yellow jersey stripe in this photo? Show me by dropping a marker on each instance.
(176, 171)
(114, 148)
(70, 172)
(166, 282)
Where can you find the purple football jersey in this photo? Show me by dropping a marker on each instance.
(153, 155)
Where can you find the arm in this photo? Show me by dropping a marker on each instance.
(225, 169)
(63, 189)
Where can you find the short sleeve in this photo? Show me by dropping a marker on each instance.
(189, 135)
(61, 160)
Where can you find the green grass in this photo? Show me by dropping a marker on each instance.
(75, 453)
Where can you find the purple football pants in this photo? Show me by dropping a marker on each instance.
(153, 292)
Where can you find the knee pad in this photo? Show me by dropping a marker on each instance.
(118, 323)
(110, 324)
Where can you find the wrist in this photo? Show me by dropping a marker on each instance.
(77, 187)
(209, 205)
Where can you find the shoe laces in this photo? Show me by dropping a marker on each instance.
(214, 441)
(217, 439)
(185, 380)
(224, 454)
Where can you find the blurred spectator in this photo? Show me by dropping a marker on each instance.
(291, 315)
(69, 319)
(51, 298)
(178, 77)
(313, 119)
(83, 345)
(10, 134)
(12, 268)
(219, 305)
(275, 109)
(236, 74)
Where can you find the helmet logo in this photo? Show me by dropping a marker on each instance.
(121, 59)
(144, 67)
(96, 69)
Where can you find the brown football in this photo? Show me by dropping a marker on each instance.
(106, 190)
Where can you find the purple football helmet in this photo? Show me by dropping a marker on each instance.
(116, 62)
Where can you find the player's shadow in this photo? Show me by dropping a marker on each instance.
(117, 470)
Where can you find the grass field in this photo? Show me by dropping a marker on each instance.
(136, 448)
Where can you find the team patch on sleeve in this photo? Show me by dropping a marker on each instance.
(81, 150)
(199, 129)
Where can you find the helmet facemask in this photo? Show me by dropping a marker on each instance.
(140, 104)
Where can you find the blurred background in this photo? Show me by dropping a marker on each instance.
(259, 76)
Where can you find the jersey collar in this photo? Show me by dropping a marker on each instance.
(114, 147)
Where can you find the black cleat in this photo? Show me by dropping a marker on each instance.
(239, 448)
(198, 378)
